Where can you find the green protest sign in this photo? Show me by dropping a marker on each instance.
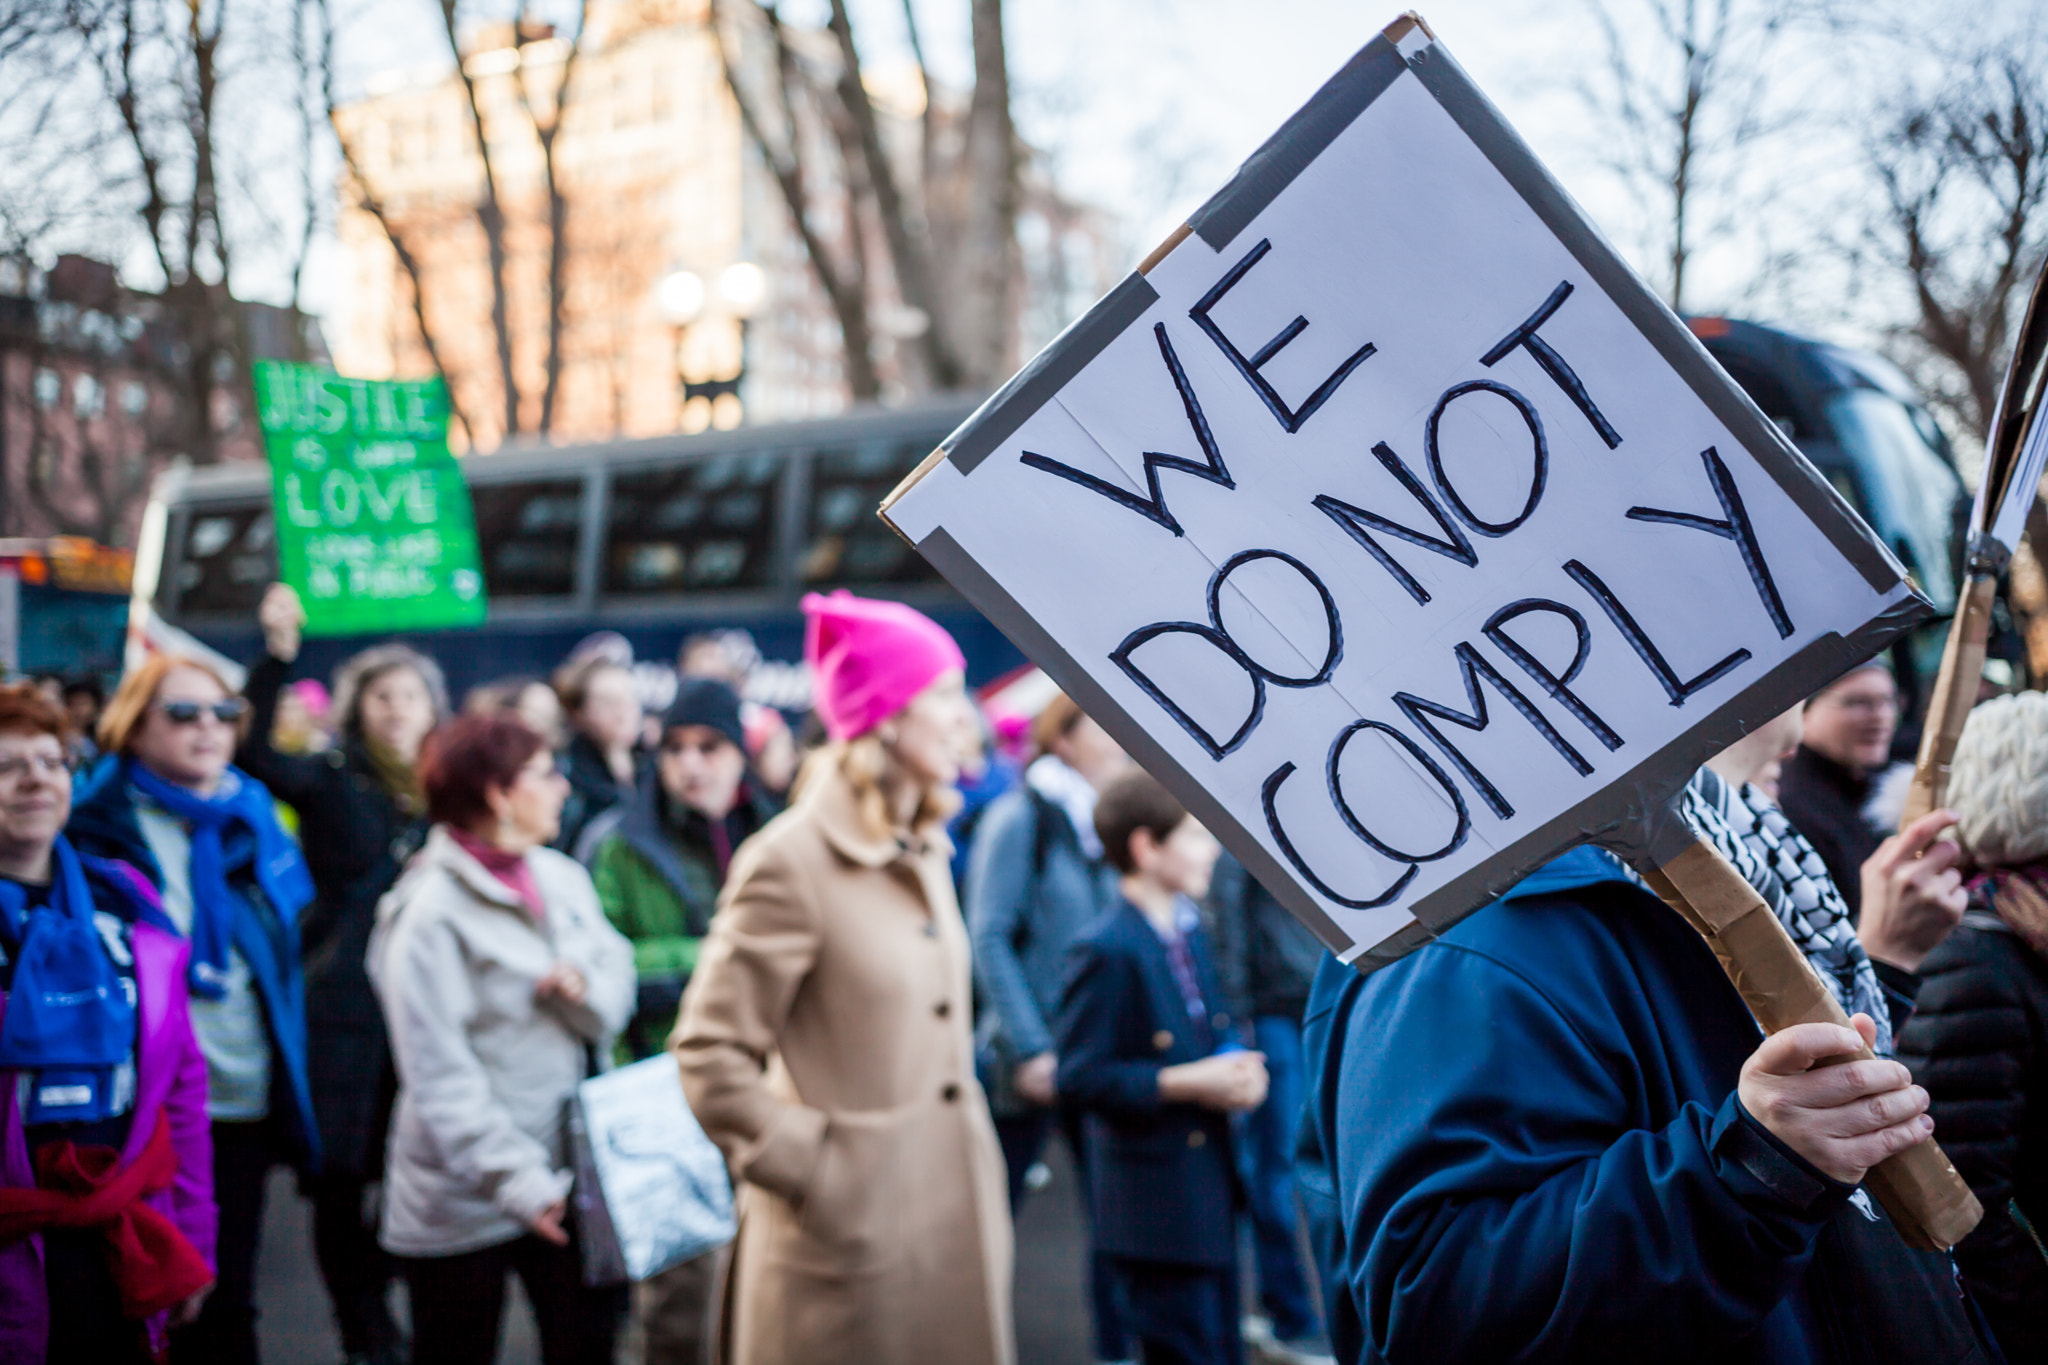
(373, 519)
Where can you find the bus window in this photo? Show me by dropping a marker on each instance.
(526, 535)
(844, 541)
(704, 526)
(229, 556)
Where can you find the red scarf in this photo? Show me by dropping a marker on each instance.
(154, 1266)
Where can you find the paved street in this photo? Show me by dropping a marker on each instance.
(1052, 1314)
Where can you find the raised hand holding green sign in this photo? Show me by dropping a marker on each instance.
(374, 527)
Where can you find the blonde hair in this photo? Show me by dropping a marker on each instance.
(866, 765)
(122, 720)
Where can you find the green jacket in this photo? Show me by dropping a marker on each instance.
(658, 880)
(663, 923)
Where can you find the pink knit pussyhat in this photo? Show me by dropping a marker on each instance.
(869, 658)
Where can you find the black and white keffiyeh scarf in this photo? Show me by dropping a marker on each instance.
(1756, 838)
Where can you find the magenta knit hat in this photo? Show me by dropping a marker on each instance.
(869, 658)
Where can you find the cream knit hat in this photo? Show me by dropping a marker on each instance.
(1999, 784)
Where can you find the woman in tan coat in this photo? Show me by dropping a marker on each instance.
(824, 1038)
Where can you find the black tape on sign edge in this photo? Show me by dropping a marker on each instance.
(1303, 138)
(1626, 817)
(974, 583)
(1049, 372)
(1497, 140)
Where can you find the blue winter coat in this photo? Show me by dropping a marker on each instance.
(1539, 1156)
(104, 823)
(1031, 893)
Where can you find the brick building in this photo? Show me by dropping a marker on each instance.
(91, 403)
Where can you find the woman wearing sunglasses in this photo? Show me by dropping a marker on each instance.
(102, 1089)
(167, 799)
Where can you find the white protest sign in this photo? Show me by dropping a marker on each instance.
(1390, 520)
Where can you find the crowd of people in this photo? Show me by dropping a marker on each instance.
(899, 950)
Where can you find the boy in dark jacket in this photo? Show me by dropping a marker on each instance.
(1150, 1055)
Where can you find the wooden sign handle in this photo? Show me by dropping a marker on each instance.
(1928, 1202)
(1955, 692)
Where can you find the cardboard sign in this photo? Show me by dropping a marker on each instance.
(1389, 519)
(374, 527)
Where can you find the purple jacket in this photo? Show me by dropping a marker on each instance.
(170, 1083)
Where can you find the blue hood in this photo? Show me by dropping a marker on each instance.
(1582, 867)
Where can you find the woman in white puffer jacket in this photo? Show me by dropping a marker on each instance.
(503, 986)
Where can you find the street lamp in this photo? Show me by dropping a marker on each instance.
(680, 296)
(743, 286)
(711, 339)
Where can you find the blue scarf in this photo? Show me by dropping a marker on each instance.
(70, 1020)
(281, 872)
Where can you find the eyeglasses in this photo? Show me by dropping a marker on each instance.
(15, 767)
(1868, 706)
(228, 711)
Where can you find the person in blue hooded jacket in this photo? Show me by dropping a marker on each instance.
(167, 800)
(1556, 1134)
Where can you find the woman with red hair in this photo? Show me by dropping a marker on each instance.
(106, 1164)
(503, 987)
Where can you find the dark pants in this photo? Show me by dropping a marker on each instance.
(86, 1324)
(1023, 1138)
(1267, 1151)
(458, 1304)
(356, 1270)
(225, 1334)
(673, 1308)
(1181, 1314)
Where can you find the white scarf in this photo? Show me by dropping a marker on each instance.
(1070, 791)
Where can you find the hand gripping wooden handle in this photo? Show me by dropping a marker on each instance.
(1955, 692)
(1928, 1202)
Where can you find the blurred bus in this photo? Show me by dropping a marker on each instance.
(1858, 419)
(63, 607)
(657, 539)
(666, 538)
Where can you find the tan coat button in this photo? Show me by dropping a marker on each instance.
(1162, 1040)
(1197, 1139)
(943, 1008)
(949, 1092)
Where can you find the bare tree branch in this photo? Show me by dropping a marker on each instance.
(1963, 172)
(558, 205)
(844, 289)
(490, 216)
(909, 252)
(370, 203)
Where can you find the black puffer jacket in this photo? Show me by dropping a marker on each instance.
(1267, 959)
(356, 841)
(593, 789)
(1979, 1043)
